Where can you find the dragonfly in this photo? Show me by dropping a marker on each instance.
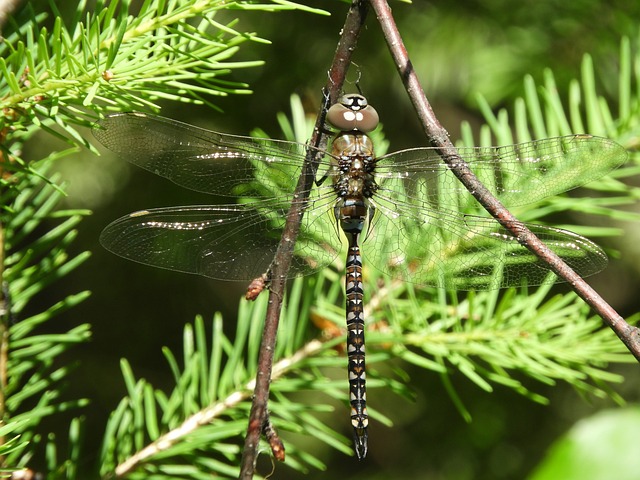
(406, 208)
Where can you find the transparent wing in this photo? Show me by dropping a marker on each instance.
(199, 159)
(418, 233)
(516, 174)
(227, 242)
(465, 252)
(230, 242)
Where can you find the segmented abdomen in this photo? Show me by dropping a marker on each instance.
(355, 349)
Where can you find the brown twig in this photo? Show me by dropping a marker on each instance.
(282, 260)
(439, 138)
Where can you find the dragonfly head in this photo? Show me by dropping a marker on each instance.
(353, 112)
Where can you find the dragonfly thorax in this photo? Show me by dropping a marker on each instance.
(353, 165)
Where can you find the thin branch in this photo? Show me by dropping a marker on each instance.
(439, 138)
(282, 260)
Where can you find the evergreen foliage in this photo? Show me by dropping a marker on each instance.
(60, 77)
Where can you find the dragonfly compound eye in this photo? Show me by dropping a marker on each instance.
(353, 112)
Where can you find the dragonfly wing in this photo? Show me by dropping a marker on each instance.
(428, 242)
(199, 159)
(515, 174)
(464, 252)
(227, 242)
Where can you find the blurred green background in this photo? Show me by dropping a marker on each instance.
(459, 49)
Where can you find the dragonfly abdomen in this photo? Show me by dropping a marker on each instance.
(352, 213)
(355, 348)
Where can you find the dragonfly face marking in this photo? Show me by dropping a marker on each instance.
(406, 203)
(353, 112)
